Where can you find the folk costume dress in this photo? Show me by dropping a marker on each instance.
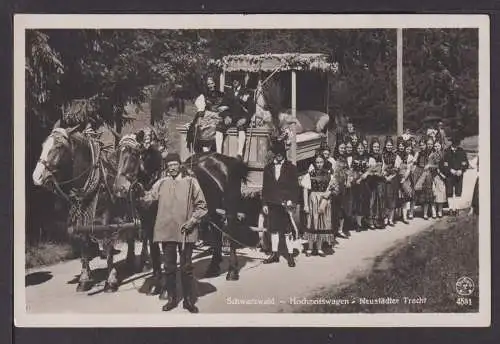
(201, 132)
(376, 182)
(439, 186)
(360, 188)
(391, 163)
(423, 180)
(319, 218)
(406, 190)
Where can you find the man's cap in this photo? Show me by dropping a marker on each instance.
(173, 157)
(278, 148)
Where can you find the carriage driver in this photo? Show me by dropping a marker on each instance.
(181, 206)
(241, 109)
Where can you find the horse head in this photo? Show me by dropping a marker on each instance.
(56, 159)
(129, 163)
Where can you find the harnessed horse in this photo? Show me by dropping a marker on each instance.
(72, 166)
(220, 178)
(140, 168)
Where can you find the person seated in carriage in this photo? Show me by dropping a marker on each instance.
(240, 109)
(201, 132)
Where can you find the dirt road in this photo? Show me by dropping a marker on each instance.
(261, 288)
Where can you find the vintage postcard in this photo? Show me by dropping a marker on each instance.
(252, 170)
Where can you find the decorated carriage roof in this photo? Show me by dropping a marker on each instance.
(271, 62)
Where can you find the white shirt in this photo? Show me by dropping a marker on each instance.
(277, 170)
(200, 103)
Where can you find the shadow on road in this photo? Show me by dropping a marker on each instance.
(37, 278)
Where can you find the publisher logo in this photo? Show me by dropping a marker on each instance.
(465, 286)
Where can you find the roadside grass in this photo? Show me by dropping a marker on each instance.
(427, 265)
(48, 253)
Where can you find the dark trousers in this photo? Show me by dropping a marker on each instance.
(186, 265)
(454, 186)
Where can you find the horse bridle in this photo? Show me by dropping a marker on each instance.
(135, 147)
(57, 184)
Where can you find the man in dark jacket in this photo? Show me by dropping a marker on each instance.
(241, 107)
(280, 193)
(454, 165)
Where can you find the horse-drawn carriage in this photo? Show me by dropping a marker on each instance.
(301, 116)
(305, 78)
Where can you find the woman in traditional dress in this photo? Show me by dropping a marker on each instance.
(376, 183)
(324, 150)
(391, 163)
(423, 178)
(439, 188)
(348, 195)
(360, 188)
(338, 199)
(317, 206)
(406, 191)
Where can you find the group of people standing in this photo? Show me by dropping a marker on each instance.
(374, 185)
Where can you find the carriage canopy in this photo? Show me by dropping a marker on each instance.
(271, 62)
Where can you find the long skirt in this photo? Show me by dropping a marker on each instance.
(361, 199)
(439, 189)
(392, 193)
(347, 202)
(425, 194)
(377, 199)
(319, 219)
(406, 191)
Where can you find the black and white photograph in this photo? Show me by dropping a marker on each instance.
(252, 170)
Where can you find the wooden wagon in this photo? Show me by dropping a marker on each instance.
(305, 76)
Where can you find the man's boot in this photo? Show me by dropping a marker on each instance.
(273, 258)
(290, 260)
(170, 295)
(187, 291)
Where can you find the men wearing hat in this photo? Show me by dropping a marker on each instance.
(455, 163)
(280, 192)
(181, 206)
(241, 109)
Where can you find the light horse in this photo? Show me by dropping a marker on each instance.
(220, 178)
(73, 166)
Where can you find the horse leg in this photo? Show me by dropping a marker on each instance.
(85, 282)
(145, 255)
(111, 284)
(213, 269)
(130, 260)
(233, 273)
(154, 248)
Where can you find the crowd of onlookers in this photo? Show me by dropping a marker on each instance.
(370, 184)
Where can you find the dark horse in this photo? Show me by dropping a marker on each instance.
(220, 178)
(73, 166)
(140, 168)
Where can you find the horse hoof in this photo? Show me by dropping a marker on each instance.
(232, 276)
(154, 290)
(110, 287)
(84, 286)
(145, 267)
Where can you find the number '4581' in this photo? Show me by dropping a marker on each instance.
(464, 301)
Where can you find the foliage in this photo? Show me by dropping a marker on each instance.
(441, 77)
(114, 66)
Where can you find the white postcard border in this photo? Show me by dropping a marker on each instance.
(268, 21)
